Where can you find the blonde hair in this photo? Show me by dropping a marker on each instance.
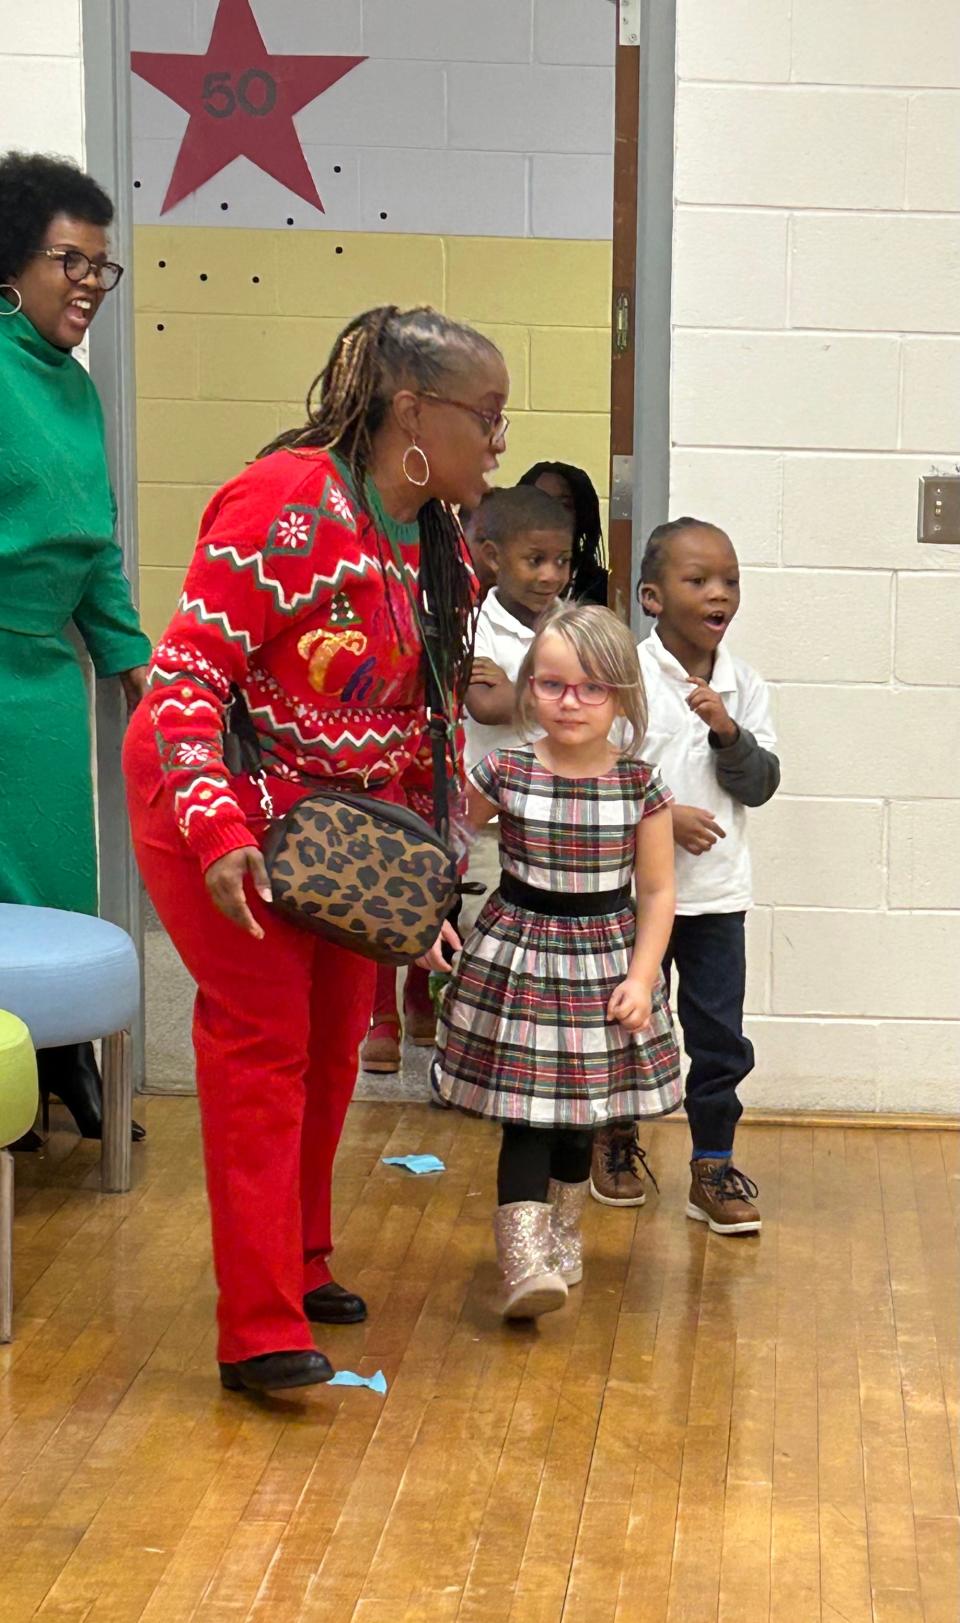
(605, 648)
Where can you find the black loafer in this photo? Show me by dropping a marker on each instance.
(275, 1372)
(332, 1304)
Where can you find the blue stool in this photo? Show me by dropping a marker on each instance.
(72, 978)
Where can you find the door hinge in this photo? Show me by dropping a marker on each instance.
(629, 22)
(621, 488)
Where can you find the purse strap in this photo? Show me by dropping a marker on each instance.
(439, 707)
(243, 730)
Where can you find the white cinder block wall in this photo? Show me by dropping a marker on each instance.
(816, 375)
(41, 78)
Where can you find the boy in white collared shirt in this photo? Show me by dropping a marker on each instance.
(711, 735)
(524, 537)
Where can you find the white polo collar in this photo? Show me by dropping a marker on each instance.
(723, 680)
(503, 620)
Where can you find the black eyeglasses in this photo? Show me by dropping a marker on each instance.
(77, 267)
(495, 423)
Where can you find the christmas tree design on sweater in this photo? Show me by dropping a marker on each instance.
(319, 647)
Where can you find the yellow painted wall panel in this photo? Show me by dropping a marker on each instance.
(169, 520)
(529, 280)
(514, 345)
(583, 439)
(262, 358)
(250, 350)
(293, 413)
(159, 590)
(570, 369)
(166, 356)
(171, 261)
(200, 442)
(315, 280)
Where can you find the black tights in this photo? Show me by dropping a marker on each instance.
(531, 1156)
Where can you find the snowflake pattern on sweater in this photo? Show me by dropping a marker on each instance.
(286, 598)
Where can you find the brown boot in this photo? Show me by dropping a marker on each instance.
(380, 1051)
(420, 1028)
(722, 1197)
(619, 1168)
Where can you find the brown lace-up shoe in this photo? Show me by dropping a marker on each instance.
(723, 1197)
(619, 1168)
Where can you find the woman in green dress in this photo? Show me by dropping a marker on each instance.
(59, 561)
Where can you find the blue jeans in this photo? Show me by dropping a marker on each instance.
(708, 953)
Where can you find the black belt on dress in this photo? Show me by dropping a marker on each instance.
(562, 904)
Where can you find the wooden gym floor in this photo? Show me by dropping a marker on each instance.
(733, 1430)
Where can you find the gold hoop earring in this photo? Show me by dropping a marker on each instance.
(426, 467)
(7, 287)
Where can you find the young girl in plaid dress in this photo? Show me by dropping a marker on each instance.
(556, 1019)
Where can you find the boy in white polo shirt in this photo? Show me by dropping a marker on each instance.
(711, 735)
(525, 538)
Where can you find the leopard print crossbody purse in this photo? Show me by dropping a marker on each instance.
(369, 875)
(364, 873)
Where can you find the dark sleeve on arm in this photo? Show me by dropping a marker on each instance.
(747, 771)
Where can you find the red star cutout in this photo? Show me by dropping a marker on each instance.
(241, 102)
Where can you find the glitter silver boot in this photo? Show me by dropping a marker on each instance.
(531, 1284)
(567, 1201)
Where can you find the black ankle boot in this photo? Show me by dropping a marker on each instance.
(72, 1076)
(29, 1144)
(276, 1372)
(332, 1304)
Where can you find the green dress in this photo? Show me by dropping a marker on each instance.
(59, 561)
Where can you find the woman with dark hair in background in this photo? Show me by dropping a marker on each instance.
(59, 560)
(295, 596)
(574, 489)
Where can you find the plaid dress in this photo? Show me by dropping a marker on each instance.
(523, 1033)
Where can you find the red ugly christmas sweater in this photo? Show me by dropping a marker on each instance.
(287, 598)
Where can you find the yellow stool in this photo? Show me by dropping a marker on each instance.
(18, 1107)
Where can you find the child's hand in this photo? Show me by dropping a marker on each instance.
(487, 672)
(709, 706)
(631, 1005)
(695, 830)
(434, 959)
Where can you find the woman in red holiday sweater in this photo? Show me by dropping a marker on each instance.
(294, 594)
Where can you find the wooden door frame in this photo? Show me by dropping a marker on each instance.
(641, 290)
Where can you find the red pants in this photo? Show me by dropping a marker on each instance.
(416, 993)
(277, 1025)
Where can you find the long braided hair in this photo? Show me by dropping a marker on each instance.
(377, 354)
(588, 561)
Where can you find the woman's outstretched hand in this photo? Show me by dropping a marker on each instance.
(225, 880)
(134, 684)
(631, 1005)
(434, 959)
